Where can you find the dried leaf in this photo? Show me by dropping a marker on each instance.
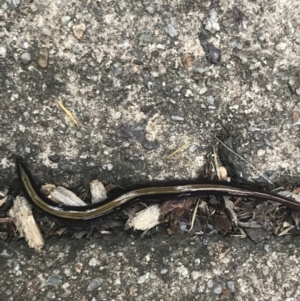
(222, 223)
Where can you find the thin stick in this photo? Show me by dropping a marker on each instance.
(181, 148)
(67, 112)
(241, 158)
(194, 215)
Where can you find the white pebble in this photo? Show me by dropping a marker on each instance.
(261, 152)
(65, 20)
(212, 24)
(177, 118)
(143, 278)
(281, 46)
(2, 52)
(94, 262)
(196, 275)
(15, 3)
(171, 31)
(46, 31)
(108, 166)
(21, 128)
(188, 93)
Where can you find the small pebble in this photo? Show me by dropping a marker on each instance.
(15, 3)
(201, 289)
(278, 276)
(54, 280)
(196, 275)
(210, 283)
(192, 149)
(178, 88)
(171, 31)
(218, 289)
(50, 296)
(102, 296)
(231, 286)
(144, 37)
(94, 262)
(25, 58)
(182, 271)
(33, 7)
(47, 31)
(65, 20)
(95, 283)
(177, 118)
(21, 128)
(188, 93)
(54, 158)
(210, 100)
(143, 278)
(200, 70)
(150, 8)
(291, 81)
(25, 45)
(297, 91)
(212, 24)
(43, 57)
(197, 261)
(108, 166)
(118, 70)
(163, 271)
(261, 152)
(78, 135)
(281, 46)
(2, 52)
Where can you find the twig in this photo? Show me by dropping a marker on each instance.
(186, 145)
(67, 112)
(240, 157)
(194, 215)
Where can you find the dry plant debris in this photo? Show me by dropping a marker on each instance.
(68, 113)
(26, 224)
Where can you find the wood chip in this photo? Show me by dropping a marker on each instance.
(222, 173)
(2, 201)
(67, 197)
(145, 219)
(26, 224)
(98, 191)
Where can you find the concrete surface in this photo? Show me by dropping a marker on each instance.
(135, 76)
